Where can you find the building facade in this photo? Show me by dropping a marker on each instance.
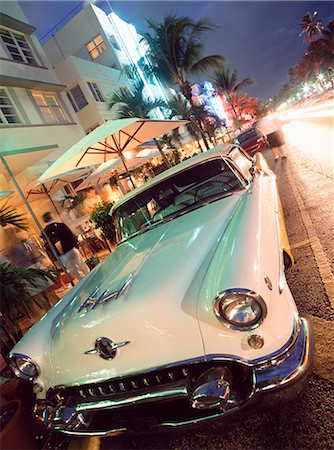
(36, 121)
(94, 55)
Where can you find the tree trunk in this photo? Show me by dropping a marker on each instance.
(198, 126)
(187, 92)
(232, 105)
(164, 157)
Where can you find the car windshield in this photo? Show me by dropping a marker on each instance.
(178, 194)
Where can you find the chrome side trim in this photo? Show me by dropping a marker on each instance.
(295, 364)
(281, 275)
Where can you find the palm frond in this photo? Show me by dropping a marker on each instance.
(242, 84)
(132, 103)
(14, 288)
(10, 216)
(176, 48)
(207, 63)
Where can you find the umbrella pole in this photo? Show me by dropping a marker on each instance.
(10, 173)
(49, 196)
(164, 157)
(120, 153)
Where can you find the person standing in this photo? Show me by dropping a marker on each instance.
(91, 199)
(106, 193)
(272, 128)
(66, 244)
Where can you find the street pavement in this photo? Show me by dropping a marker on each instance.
(306, 186)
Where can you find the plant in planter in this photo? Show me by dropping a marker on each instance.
(15, 296)
(102, 220)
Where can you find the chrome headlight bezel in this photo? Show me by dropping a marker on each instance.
(226, 298)
(20, 369)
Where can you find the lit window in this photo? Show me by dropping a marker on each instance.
(96, 47)
(95, 91)
(8, 113)
(77, 98)
(17, 47)
(49, 106)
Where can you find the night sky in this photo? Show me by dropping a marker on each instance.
(260, 39)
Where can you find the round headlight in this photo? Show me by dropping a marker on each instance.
(23, 366)
(240, 309)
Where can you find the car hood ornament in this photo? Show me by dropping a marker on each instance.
(106, 348)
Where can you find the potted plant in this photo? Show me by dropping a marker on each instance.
(103, 221)
(15, 297)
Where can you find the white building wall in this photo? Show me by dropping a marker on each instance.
(71, 40)
(74, 71)
(19, 79)
(92, 21)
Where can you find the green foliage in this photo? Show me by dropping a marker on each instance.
(176, 50)
(311, 27)
(226, 82)
(14, 291)
(318, 58)
(131, 103)
(102, 220)
(9, 216)
(181, 108)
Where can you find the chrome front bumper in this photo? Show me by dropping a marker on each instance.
(276, 379)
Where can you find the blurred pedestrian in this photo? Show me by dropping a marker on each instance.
(23, 252)
(66, 244)
(272, 128)
(91, 199)
(106, 193)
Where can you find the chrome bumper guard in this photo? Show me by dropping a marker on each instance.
(273, 380)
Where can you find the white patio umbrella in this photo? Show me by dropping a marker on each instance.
(37, 190)
(104, 171)
(108, 141)
(4, 194)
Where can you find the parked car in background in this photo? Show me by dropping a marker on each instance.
(190, 318)
(252, 140)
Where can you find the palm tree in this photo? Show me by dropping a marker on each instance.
(226, 82)
(176, 49)
(327, 39)
(133, 104)
(311, 27)
(9, 216)
(169, 139)
(182, 109)
(327, 42)
(15, 295)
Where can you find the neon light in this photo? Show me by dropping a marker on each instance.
(133, 51)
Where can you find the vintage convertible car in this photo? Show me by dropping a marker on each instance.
(189, 319)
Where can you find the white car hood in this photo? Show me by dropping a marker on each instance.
(157, 313)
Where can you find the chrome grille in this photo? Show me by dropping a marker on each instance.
(147, 381)
(120, 386)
